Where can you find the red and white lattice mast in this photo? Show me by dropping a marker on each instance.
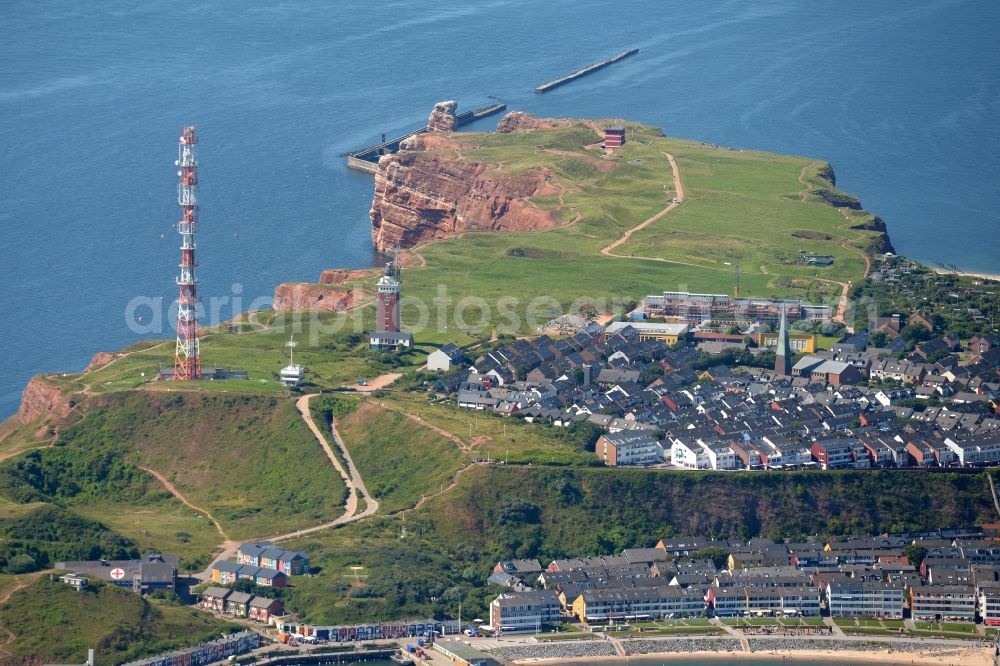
(187, 358)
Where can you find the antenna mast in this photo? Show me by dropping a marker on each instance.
(187, 355)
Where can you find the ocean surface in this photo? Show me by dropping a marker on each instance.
(902, 98)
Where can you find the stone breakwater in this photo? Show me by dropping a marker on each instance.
(652, 646)
(832, 644)
(598, 648)
(556, 650)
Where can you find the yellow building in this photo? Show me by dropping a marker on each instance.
(802, 343)
(667, 333)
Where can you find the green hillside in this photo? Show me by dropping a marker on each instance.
(501, 512)
(740, 207)
(250, 461)
(400, 460)
(55, 624)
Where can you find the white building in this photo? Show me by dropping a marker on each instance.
(976, 450)
(865, 599)
(524, 611)
(989, 606)
(720, 456)
(689, 455)
(444, 358)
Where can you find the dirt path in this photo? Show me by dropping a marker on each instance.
(377, 383)
(227, 547)
(31, 446)
(678, 187)
(20, 585)
(451, 486)
(416, 419)
(845, 287)
(176, 493)
(352, 479)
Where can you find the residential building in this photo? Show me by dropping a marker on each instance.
(262, 609)
(533, 610)
(445, 358)
(602, 605)
(948, 603)
(854, 598)
(629, 447)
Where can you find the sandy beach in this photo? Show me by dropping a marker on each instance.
(984, 276)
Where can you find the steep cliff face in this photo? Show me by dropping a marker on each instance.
(519, 121)
(40, 399)
(340, 276)
(442, 118)
(99, 360)
(422, 196)
(308, 296)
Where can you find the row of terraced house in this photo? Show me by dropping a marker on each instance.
(262, 562)
(958, 581)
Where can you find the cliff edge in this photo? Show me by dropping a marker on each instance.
(430, 191)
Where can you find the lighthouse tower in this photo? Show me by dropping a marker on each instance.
(187, 356)
(387, 308)
(388, 333)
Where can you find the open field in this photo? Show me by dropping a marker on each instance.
(58, 624)
(740, 208)
(491, 436)
(166, 526)
(250, 461)
(399, 459)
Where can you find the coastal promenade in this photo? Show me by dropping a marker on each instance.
(835, 649)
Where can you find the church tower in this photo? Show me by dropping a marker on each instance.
(783, 352)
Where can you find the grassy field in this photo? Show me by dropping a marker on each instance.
(166, 525)
(740, 208)
(398, 476)
(248, 460)
(55, 624)
(491, 436)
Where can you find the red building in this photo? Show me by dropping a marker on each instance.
(614, 137)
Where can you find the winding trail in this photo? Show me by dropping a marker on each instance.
(679, 188)
(24, 582)
(352, 479)
(357, 492)
(845, 287)
(176, 493)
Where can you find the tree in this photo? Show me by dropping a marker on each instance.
(719, 556)
(878, 339)
(915, 554)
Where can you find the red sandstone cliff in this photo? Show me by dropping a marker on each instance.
(422, 196)
(41, 398)
(519, 121)
(442, 118)
(340, 276)
(310, 296)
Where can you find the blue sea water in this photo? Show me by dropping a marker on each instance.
(902, 98)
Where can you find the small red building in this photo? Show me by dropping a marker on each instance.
(614, 137)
